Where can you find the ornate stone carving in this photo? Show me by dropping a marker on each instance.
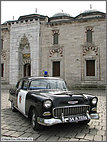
(26, 61)
(58, 50)
(92, 48)
(26, 56)
(24, 42)
(3, 53)
(89, 28)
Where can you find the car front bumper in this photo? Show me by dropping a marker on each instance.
(53, 121)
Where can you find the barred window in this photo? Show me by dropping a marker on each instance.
(1, 43)
(55, 38)
(89, 36)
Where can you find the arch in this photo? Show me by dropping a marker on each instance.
(24, 57)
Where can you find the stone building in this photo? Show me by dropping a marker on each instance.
(73, 48)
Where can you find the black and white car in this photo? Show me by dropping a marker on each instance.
(47, 101)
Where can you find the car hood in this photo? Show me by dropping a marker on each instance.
(61, 98)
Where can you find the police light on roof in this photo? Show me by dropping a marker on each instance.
(45, 73)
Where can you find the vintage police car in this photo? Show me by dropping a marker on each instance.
(47, 101)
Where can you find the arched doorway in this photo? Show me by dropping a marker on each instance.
(24, 57)
(27, 69)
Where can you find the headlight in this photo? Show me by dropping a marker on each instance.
(94, 101)
(47, 103)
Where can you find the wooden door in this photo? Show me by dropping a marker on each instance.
(90, 67)
(56, 68)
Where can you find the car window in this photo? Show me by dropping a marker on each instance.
(38, 84)
(25, 85)
(47, 84)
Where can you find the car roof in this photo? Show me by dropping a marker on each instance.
(34, 77)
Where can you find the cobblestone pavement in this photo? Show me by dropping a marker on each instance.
(15, 125)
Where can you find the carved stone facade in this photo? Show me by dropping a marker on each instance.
(33, 46)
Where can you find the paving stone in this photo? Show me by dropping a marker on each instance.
(3, 126)
(82, 140)
(22, 129)
(93, 131)
(26, 135)
(53, 138)
(73, 139)
(98, 127)
(28, 130)
(89, 137)
(63, 139)
(17, 134)
(70, 135)
(80, 135)
(98, 138)
(35, 136)
(101, 132)
(16, 125)
(3, 131)
(25, 124)
(8, 133)
(43, 138)
(103, 128)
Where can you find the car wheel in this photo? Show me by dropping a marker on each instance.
(34, 122)
(12, 107)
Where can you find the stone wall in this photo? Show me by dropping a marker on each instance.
(5, 52)
(72, 50)
(17, 31)
(72, 39)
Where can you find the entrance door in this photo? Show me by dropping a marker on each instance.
(90, 67)
(27, 69)
(56, 68)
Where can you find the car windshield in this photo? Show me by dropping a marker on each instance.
(47, 84)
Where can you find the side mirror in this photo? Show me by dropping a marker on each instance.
(12, 91)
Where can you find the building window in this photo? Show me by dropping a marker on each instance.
(90, 67)
(55, 38)
(1, 44)
(89, 36)
(2, 70)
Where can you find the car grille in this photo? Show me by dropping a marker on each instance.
(71, 110)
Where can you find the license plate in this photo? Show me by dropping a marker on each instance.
(77, 118)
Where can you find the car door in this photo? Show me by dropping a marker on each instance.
(21, 98)
(18, 87)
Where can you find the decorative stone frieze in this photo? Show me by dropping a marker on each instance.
(26, 56)
(58, 50)
(92, 48)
